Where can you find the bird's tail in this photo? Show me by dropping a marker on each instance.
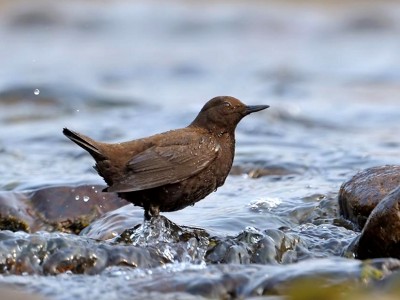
(85, 142)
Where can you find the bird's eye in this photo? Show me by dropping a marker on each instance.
(227, 104)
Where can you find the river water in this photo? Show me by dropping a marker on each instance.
(122, 70)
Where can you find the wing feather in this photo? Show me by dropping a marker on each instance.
(161, 165)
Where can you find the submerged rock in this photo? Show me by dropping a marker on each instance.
(252, 245)
(174, 243)
(54, 253)
(280, 246)
(380, 236)
(220, 281)
(59, 208)
(362, 193)
(271, 246)
(332, 272)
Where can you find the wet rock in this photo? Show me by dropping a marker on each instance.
(321, 241)
(54, 253)
(150, 244)
(359, 196)
(252, 246)
(70, 209)
(380, 236)
(222, 281)
(317, 209)
(14, 212)
(333, 272)
(174, 243)
(60, 208)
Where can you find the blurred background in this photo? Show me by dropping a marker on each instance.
(118, 70)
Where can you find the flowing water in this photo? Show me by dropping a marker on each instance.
(119, 70)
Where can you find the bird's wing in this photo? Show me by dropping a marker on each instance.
(161, 165)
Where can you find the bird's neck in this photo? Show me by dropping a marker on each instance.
(214, 129)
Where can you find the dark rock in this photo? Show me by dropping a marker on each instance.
(70, 209)
(14, 212)
(60, 208)
(54, 253)
(252, 246)
(359, 196)
(380, 236)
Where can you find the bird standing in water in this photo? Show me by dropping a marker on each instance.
(174, 169)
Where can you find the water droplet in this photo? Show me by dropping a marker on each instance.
(36, 92)
(86, 198)
(77, 197)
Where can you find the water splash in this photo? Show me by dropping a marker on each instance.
(174, 243)
(267, 203)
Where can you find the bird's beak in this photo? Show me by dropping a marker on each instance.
(254, 108)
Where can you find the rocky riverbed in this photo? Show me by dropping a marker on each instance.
(123, 70)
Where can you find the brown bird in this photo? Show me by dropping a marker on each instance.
(174, 169)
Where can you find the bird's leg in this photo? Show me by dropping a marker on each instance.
(147, 215)
(151, 211)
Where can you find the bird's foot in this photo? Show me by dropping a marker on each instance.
(150, 212)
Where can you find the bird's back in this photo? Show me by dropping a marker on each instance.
(161, 159)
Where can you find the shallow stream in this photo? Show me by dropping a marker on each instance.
(116, 71)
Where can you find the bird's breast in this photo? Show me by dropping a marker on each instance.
(224, 160)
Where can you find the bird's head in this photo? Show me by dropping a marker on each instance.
(223, 113)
